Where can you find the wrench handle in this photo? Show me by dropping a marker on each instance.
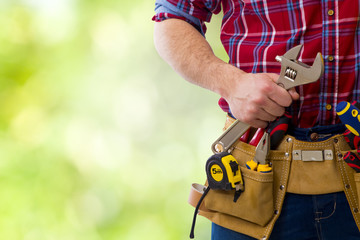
(229, 136)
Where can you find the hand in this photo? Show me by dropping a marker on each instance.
(256, 99)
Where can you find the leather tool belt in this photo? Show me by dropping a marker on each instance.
(298, 167)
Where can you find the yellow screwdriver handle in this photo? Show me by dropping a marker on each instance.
(252, 165)
(264, 168)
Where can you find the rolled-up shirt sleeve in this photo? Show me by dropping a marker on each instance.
(195, 12)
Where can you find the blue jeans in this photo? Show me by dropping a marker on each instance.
(306, 217)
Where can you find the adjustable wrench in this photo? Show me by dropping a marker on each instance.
(293, 73)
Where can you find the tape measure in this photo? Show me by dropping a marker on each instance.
(223, 172)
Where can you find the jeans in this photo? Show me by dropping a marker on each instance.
(306, 217)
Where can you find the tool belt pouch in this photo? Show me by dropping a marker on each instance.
(255, 203)
(357, 183)
(296, 169)
(314, 169)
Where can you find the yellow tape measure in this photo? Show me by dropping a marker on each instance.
(223, 172)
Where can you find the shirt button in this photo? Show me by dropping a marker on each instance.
(314, 136)
(331, 58)
(328, 107)
(330, 12)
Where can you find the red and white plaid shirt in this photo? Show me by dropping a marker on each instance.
(254, 32)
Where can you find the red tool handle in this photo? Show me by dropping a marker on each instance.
(257, 136)
(245, 136)
(278, 129)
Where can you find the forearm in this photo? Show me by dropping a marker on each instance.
(187, 51)
(253, 98)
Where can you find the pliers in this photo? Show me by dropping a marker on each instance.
(259, 162)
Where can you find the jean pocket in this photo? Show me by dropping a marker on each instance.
(255, 204)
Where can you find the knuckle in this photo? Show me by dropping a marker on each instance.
(279, 112)
(261, 91)
(287, 101)
(262, 124)
(268, 87)
(272, 118)
(252, 111)
(246, 118)
(258, 99)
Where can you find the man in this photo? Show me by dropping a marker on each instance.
(253, 32)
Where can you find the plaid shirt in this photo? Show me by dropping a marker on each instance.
(254, 32)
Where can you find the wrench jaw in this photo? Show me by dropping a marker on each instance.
(294, 73)
(314, 72)
(293, 53)
(318, 66)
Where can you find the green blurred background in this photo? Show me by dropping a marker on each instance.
(100, 138)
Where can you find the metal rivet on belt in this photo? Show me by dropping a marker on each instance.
(282, 187)
(340, 155)
(289, 139)
(356, 210)
(277, 212)
(263, 238)
(287, 154)
(347, 186)
(328, 154)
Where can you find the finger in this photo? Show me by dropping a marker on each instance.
(292, 91)
(259, 123)
(265, 116)
(280, 96)
(294, 94)
(273, 109)
(256, 114)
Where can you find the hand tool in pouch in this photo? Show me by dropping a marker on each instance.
(293, 73)
(259, 163)
(257, 136)
(352, 160)
(349, 115)
(278, 128)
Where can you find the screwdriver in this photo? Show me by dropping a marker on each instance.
(349, 114)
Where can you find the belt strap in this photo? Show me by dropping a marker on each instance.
(196, 192)
(198, 189)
